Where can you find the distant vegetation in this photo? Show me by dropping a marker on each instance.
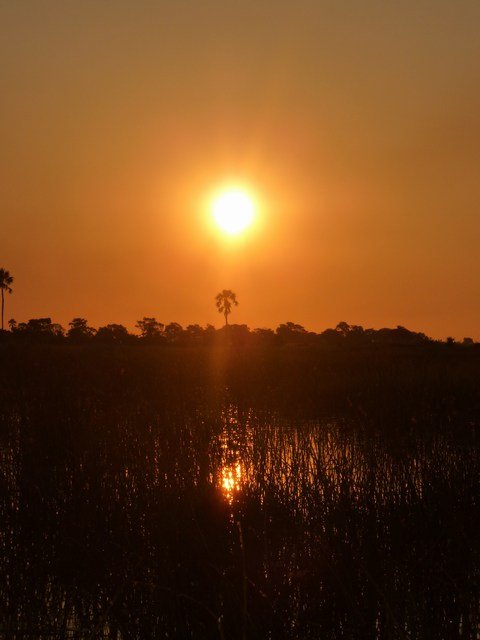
(5, 281)
(152, 331)
(224, 301)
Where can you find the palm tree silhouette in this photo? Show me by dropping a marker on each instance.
(5, 281)
(224, 301)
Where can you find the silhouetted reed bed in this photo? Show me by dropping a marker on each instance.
(242, 493)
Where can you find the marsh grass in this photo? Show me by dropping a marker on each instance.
(271, 493)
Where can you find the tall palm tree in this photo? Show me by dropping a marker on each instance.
(5, 282)
(224, 301)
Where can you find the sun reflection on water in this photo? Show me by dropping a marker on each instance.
(231, 480)
(231, 452)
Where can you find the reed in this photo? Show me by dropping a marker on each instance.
(238, 493)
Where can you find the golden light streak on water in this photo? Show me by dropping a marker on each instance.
(231, 480)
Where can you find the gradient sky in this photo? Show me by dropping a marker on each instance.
(356, 123)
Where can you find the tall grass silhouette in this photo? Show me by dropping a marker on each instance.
(202, 493)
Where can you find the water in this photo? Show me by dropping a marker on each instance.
(213, 519)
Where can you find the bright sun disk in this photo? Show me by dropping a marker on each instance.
(233, 211)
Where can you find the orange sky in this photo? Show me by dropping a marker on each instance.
(356, 123)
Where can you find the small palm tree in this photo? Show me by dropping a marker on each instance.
(224, 301)
(5, 282)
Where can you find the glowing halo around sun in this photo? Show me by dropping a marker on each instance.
(233, 211)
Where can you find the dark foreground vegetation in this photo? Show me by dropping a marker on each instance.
(239, 490)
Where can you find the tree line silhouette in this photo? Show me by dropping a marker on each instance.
(151, 331)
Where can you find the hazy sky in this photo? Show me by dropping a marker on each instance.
(356, 123)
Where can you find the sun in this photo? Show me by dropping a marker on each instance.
(233, 211)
